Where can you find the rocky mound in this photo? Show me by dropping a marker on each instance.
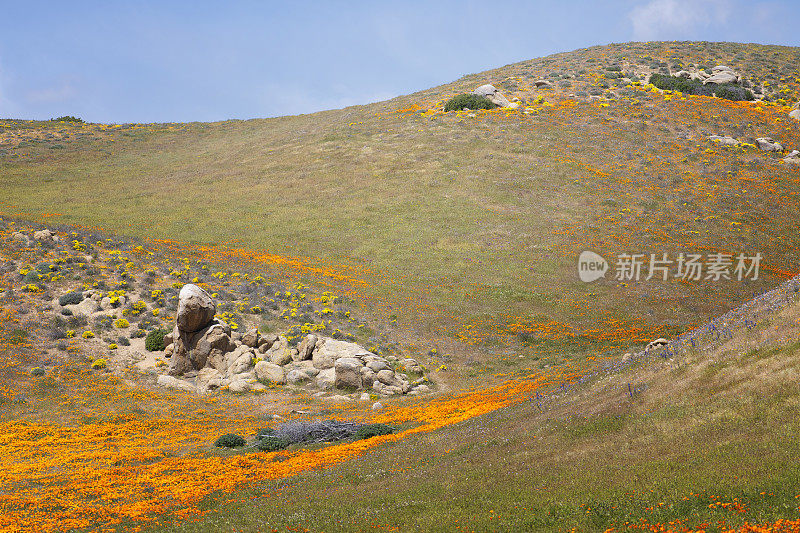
(206, 351)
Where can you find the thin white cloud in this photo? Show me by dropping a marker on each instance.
(7, 108)
(59, 93)
(676, 19)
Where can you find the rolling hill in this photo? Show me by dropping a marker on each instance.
(457, 235)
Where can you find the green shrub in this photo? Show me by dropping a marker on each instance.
(728, 91)
(67, 118)
(373, 430)
(470, 101)
(123, 341)
(271, 443)
(733, 92)
(154, 342)
(71, 298)
(37, 371)
(229, 441)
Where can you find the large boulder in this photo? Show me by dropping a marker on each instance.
(325, 356)
(44, 235)
(305, 348)
(196, 308)
(266, 371)
(195, 350)
(347, 371)
(722, 74)
(490, 91)
(795, 114)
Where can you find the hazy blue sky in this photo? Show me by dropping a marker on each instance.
(163, 61)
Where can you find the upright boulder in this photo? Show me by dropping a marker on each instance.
(197, 337)
(196, 309)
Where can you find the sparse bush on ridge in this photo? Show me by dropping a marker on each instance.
(67, 118)
(696, 87)
(470, 101)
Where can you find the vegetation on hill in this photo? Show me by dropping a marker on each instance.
(468, 101)
(695, 87)
(457, 235)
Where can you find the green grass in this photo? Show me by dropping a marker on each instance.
(654, 457)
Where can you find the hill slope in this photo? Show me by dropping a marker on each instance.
(466, 227)
(695, 439)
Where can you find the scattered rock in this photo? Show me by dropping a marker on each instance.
(768, 144)
(657, 344)
(542, 83)
(326, 378)
(239, 386)
(724, 140)
(795, 114)
(251, 338)
(305, 348)
(20, 238)
(325, 356)
(377, 406)
(44, 235)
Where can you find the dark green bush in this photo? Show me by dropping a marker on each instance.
(728, 91)
(67, 118)
(71, 298)
(154, 342)
(470, 101)
(229, 441)
(373, 430)
(270, 443)
(733, 92)
(123, 341)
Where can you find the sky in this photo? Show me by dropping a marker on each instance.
(116, 61)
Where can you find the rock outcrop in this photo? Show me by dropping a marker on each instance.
(203, 348)
(490, 91)
(768, 144)
(722, 74)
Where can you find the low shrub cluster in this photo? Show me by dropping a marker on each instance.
(728, 91)
(470, 101)
(71, 298)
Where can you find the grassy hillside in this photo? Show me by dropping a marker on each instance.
(454, 235)
(469, 226)
(701, 439)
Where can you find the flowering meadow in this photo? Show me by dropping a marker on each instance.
(449, 237)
